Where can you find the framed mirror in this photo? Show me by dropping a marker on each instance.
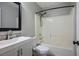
(10, 16)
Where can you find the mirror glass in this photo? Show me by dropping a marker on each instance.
(9, 15)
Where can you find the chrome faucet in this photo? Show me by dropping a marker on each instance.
(9, 34)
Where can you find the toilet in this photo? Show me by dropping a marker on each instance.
(41, 50)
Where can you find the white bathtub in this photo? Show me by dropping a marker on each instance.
(59, 51)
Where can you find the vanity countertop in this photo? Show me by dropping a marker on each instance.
(6, 45)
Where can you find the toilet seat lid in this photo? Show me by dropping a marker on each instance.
(42, 49)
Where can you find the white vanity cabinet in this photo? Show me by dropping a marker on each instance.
(26, 49)
(23, 48)
(12, 52)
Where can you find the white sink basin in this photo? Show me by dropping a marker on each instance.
(7, 45)
(9, 42)
(4, 42)
(23, 38)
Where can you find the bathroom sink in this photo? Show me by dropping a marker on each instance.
(16, 40)
(5, 42)
(22, 38)
(7, 45)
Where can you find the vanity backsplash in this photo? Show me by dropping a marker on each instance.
(3, 35)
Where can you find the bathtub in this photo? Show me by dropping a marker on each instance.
(59, 51)
(55, 50)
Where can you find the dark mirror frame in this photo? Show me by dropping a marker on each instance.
(19, 20)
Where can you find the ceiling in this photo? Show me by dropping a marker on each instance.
(47, 5)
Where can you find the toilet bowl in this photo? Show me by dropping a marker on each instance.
(42, 50)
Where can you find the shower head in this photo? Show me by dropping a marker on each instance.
(43, 13)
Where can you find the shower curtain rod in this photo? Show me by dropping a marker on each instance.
(55, 8)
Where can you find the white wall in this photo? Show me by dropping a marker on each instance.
(59, 30)
(77, 27)
(28, 18)
(0, 17)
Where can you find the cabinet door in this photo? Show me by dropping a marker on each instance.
(13, 52)
(27, 49)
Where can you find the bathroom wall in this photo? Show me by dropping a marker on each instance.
(0, 17)
(59, 30)
(28, 18)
